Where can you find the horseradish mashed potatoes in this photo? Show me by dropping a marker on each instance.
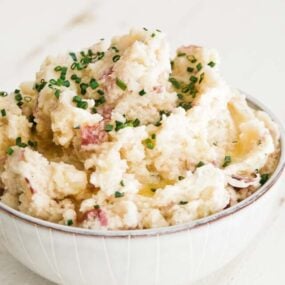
(121, 136)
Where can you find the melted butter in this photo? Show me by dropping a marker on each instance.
(147, 190)
(246, 140)
(237, 115)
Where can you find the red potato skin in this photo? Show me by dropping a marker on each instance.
(96, 214)
(95, 134)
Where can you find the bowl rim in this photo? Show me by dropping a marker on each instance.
(175, 228)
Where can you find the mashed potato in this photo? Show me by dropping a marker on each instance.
(121, 136)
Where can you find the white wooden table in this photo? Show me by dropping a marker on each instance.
(248, 34)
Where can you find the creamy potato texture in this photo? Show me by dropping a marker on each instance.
(124, 136)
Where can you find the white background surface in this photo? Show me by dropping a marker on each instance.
(249, 34)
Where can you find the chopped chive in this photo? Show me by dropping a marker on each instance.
(100, 55)
(82, 105)
(93, 83)
(18, 97)
(153, 190)
(28, 99)
(181, 54)
(153, 35)
(145, 29)
(32, 143)
(142, 92)
(121, 84)
(119, 194)
(190, 69)
(3, 94)
(57, 93)
(108, 128)
(58, 68)
(211, 64)
(180, 96)
(185, 89)
(185, 105)
(119, 125)
(153, 136)
(149, 143)
(201, 77)
(122, 183)
(193, 79)
(10, 151)
(76, 99)
(19, 142)
(183, 202)
(115, 49)
(73, 56)
(83, 88)
(100, 101)
(136, 123)
(75, 78)
(116, 58)
(263, 178)
(181, 177)
(69, 222)
(192, 58)
(96, 207)
(200, 163)
(227, 160)
(199, 66)
(174, 83)
(66, 83)
(40, 86)
(3, 113)
(100, 92)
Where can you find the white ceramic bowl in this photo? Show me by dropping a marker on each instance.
(176, 255)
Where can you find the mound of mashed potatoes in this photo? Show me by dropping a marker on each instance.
(123, 136)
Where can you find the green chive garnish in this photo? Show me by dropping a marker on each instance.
(116, 58)
(227, 160)
(93, 83)
(83, 88)
(82, 105)
(109, 128)
(10, 151)
(190, 69)
(121, 84)
(142, 92)
(57, 93)
(149, 143)
(73, 56)
(119, 194)
(3, 94)
(201, 77)
(19, 142)
(263, 178)
(193, 79)
(211, 63)
(199, 66)
(3, 113)
(100, 92)
(200, 163)
(174, 82)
